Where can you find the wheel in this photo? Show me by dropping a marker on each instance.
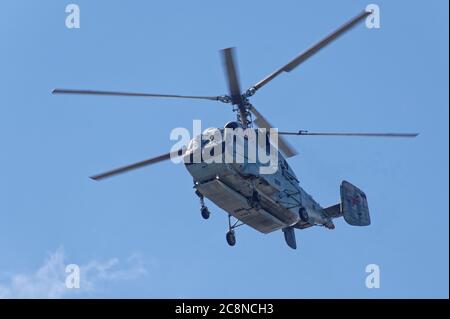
(205, 212)
(231, 238)
(303, 214)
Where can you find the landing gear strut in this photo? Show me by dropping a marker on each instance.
(203, 210)
(231, 237)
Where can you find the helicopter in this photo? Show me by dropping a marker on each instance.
(267, 202)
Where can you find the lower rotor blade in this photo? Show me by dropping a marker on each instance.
(113, 93)
(137, 165)
(283, 145)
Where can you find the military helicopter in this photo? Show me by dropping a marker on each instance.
(265, 202)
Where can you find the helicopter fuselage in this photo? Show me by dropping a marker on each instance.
(266, 202)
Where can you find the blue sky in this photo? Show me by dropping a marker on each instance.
(141, 234)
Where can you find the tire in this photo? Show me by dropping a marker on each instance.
(205, 212)
(303, 214)
(231, 238)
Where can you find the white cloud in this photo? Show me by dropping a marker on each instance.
(49, 280)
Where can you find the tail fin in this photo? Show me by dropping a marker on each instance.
(354, 205)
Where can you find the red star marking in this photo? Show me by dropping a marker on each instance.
(355, 200)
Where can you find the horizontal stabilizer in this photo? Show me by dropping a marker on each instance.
(333, 211)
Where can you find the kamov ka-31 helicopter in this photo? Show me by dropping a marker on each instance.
(265, 202)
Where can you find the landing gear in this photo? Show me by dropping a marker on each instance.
(203, 210)
(303, 214)
(231, 237)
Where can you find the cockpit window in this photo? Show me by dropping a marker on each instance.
(232, 125)
(194, 143)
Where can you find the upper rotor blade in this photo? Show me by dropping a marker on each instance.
(137, 165)
(313, 50)
(398, 135)
(232, 76)
(112, 93)
(283, 145)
